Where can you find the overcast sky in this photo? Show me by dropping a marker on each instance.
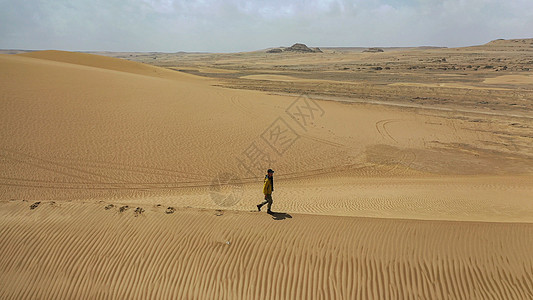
(239, 25)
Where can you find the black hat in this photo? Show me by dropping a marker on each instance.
(270, 171)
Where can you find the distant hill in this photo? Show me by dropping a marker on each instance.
(298, 47)
(510, 43)
(506, 45)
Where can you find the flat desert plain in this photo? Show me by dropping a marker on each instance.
(403, 174)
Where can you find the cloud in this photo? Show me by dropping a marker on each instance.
(240, 25)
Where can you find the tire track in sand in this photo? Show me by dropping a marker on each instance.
(381, 127)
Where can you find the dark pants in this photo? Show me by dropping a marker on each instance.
(268, 200)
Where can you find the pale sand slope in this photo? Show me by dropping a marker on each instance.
(511, 79)
(94, 131)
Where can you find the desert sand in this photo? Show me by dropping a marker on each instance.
(125, 180)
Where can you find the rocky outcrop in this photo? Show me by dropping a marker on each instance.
(299, 48)
(373, 50)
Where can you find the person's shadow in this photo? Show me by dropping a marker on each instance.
(280, 216)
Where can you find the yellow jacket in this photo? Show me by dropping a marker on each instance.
(267, 188)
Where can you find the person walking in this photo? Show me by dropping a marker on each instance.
(268, 188)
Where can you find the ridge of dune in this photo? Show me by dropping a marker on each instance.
(105, 62)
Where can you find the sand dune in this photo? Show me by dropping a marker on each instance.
(448, 85)
(102, 62)
(510, 79)
(381, 201)
(62, 250)
(285, 78)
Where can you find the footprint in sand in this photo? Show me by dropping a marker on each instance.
(34, 205)
(123, 208)
(138, 211)
(170, 210)
(54, 204)
(110, 206)
(219, 213)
